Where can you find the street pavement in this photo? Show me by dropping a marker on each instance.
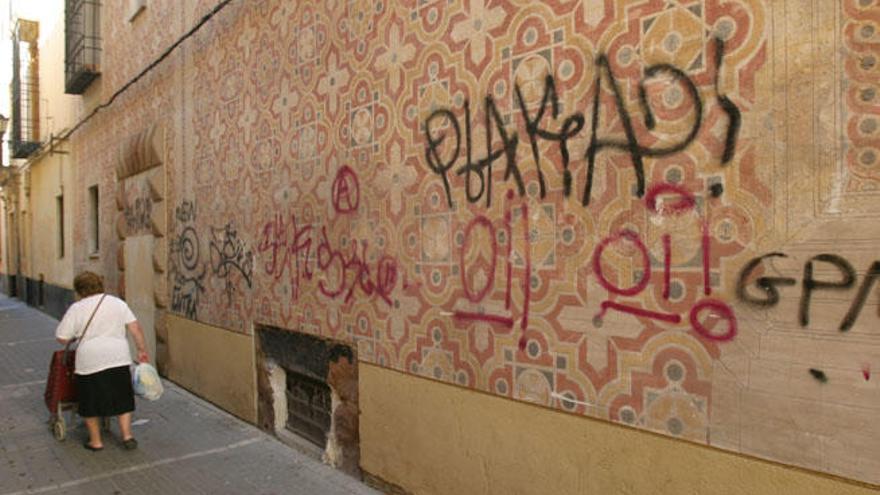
(186, 445)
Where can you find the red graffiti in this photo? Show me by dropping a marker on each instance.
(704, 317)
(667, 264)
(291, 252)
(509, 231)
(357, 266)
(707, 289)
(346, 190)
(646, 272)
(655, 315)
(685, 202)
(508, 228)
(290, 246)
(718, 310)
(527, 286)
(386, 277)
(478, 296)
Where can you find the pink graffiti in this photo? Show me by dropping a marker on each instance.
(718, 310)
(654, 315)
(707, 288)
(290, 248)
(356, 264)
(477, 296)
(509, 271)
(468, 290)
(686, 200)
(646, 272)
(715, 310)
(703, 317)
(667, 264)
(346, 190)
(527, 286)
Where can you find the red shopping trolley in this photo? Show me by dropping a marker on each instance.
(60, 394)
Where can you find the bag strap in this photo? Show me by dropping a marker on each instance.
(83, 334)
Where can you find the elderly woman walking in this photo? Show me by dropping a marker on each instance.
(103, 358)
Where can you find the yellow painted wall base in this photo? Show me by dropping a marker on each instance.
(432, 438)
(215, 364)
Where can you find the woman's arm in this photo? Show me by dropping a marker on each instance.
(66, 330)
(134, 328)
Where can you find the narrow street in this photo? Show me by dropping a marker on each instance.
(186, 444)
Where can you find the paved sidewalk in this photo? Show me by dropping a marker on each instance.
(186, 445)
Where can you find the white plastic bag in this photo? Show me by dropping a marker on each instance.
(146, 382)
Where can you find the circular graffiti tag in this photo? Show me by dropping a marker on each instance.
(346, 190)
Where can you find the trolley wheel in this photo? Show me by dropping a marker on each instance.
(59, 429)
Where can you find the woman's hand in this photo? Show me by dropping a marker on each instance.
(134, 328)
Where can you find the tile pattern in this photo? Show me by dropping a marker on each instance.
(303, 197)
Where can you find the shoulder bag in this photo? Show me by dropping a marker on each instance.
(60, 384)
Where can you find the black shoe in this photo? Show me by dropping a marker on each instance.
(88, 446)
(130, 444)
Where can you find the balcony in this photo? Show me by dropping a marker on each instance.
(25, 130)
(82, 44)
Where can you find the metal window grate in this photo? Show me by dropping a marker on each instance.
(308, 407)
(25, 132)
(82, 42)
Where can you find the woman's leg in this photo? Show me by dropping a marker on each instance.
(125, 426)
(94, 426)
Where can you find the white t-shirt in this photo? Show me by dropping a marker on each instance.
(105, 345)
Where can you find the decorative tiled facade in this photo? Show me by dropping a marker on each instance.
(316, 182)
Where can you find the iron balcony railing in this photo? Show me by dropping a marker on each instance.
(25, 132)
(82, 35)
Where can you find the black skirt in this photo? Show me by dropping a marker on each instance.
(105, 393)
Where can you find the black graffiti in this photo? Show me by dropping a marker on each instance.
(186, 268)
(769, 286)
(138, 216)
(859, 302)
(810, 284)
(733, 114)
(230, 254)
(570, 127)
(432, 153)
(186, 212)
(442, 125)
(631, 145)
(483, 167)
(819, 375)
(185, 295)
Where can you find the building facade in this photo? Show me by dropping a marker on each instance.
(483, 246)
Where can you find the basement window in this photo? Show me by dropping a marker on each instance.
(308, 407)
(308, 395)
